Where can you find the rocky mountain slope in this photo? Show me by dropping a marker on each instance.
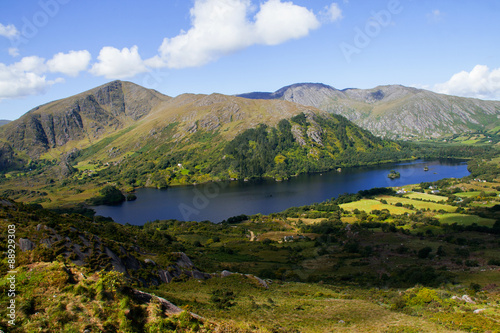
(84, 118)
(395, 111)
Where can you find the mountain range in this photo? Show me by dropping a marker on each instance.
(140, 136)
(148, 139)
(395, 111)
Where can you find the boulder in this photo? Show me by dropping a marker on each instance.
(26, 245)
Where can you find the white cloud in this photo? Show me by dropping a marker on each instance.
(116, 64)
(32, 64)
(277, 22)
(23, 78)
(70, 63)
(8, 31)
(13, 51)
(221, 27)
(332, 13)
(481, 83)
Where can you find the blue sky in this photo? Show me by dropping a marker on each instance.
(51, 49)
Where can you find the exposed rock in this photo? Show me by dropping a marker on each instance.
(183, 266)
(297, 132)
(26, 245)
(149, 261)
(263, 283)
(168, 307)
(192, 128)
(464, 298)
(183, 260)
(210, 122)
(468, 299)
(226, 273)
(314, 133)
(259, 280)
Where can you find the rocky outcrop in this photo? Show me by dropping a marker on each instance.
(26, 245)
(183, 267)
(258, 280)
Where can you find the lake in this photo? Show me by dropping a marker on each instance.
(218, 201)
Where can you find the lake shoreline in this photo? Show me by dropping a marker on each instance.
(217, 201)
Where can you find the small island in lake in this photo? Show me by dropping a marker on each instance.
(426, 168)
(393, 174)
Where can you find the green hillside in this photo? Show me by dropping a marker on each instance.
(332, 265)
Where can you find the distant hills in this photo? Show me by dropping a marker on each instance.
(4, 121)
(394, 111)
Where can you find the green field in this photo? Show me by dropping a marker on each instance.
(468, 194)
(418, 204)
(464, 219)
(369, 204)
(425, 196)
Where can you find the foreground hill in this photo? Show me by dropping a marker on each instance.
(374, 261)
(395, 111)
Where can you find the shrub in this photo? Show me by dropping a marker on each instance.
(223, 299)
(424, 252)
(494, 262)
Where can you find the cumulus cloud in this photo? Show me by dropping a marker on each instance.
(8, 31)
(332, 13)
(23, 78)
(33, 64)
(118, 64)
(13, 51)
(70, 63)
(480, 82)
(277, 22)
(221, 27)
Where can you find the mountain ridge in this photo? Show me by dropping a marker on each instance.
(88, 115)
(140, 137)
(395, 111)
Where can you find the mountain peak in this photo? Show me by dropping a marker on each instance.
(89, 116)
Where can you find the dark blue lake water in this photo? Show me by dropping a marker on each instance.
(218, 201)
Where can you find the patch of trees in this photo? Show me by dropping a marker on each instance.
(108, 195)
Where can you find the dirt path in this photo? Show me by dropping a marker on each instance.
(252, 236)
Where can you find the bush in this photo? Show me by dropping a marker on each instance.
(424, 252)
(131, 197)
(223, 299)
(109, 195)
(494, 262)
